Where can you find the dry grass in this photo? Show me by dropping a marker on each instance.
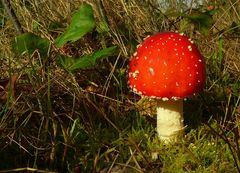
(89, 121)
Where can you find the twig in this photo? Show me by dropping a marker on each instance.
(11, 14)
(26, 169)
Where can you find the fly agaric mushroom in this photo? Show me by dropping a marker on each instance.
(168, 68)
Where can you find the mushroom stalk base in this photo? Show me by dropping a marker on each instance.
(169, 120)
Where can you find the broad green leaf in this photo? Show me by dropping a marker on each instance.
(87, 61)
(28, 42)
(66, 61)
(202, 21)
(82, 23)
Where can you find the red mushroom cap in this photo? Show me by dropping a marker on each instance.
(167, 65)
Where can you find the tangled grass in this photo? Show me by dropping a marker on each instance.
(89, 121)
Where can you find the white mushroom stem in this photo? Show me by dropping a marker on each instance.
(169, 120)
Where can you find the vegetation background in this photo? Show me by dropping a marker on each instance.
(64, 101)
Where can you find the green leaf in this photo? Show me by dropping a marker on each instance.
(87, 61)
(202, 21)
(82, 22)
(28, 42)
